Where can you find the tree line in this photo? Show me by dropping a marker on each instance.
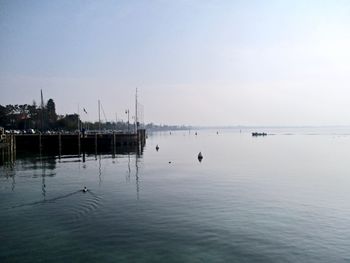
(26, 116)
(44, 118)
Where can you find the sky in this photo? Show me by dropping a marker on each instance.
(194, 62)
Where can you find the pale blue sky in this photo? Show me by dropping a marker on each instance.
(194, 62)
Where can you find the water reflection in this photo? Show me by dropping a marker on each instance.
(84, 160)
(48, 200)
(137, 177)
(44, 166)
(43, 186)
(10, 173)
(99, 171)
(43, 170)
(129, 170)
(13, 184)
(35, 163)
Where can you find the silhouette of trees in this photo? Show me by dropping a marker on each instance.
(30, 116)
(51, 113)
(20, 116)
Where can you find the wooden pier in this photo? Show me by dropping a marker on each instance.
(7, 148)
(63, 143)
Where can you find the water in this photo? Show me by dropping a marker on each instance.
(280, 198)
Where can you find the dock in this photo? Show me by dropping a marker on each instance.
(72, 143)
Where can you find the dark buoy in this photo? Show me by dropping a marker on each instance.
(85, 189)
(157, 147)
(200, 156)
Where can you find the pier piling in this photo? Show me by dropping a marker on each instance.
(79, 145)
(59, 145)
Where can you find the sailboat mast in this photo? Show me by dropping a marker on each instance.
(116, 121)
(136, 121)
(99, 116)
(42, 110)
(78, 117)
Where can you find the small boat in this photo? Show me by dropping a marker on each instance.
(259, 134)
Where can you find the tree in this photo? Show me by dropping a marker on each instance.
(51, 113)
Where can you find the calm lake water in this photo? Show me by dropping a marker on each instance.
(280, 198)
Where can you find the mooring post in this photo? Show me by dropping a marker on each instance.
(79, 146)
(11, 148)
(14, 143)
(40, 142)
(96, 143)
(59, 145)
(11, 143)
(113, 144)
(8, 148)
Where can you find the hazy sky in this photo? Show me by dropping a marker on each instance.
(194, 62)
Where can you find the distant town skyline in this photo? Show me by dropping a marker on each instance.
(204, 63)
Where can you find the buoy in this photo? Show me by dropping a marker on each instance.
(157, 147)
(200, 156)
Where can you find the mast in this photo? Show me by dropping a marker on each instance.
(116, 121)
(78, 117)
(42, 109)
(99, 116)
(136, 121)
(127, 112)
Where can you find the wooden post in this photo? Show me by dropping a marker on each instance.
(14, 144)
(79, 144)
(40, 142)
(11, 148)
(96, 143)
(11, 143)
(113, 145)
(59, 145)
(8, 149)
